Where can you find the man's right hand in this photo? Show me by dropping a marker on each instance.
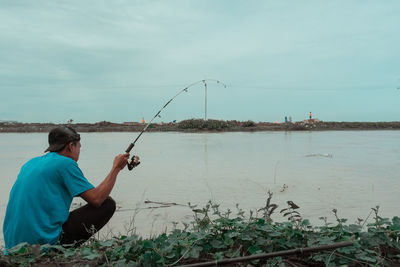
(120, 161)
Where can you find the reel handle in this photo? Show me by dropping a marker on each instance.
(133, 162)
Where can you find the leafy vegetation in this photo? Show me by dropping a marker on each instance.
(203, 124)
(249, 124)
(216, 234)
(200, 124)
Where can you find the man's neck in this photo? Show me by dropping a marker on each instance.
(65, 154)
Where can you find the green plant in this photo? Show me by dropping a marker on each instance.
(216, 234)
(203, 124)
(248, 124)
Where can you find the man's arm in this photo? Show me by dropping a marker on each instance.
(97, 195)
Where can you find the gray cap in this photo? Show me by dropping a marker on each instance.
(59, 137)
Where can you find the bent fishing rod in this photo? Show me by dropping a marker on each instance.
(134, 161)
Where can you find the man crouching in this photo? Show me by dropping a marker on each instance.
(39, 203)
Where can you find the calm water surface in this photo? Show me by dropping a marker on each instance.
(351, 171)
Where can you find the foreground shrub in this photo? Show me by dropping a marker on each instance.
(214, 235)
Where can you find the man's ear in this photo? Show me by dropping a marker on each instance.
(69, 146)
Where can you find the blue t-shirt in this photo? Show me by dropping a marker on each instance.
(40, 199)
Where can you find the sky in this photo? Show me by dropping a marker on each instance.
(121, 61)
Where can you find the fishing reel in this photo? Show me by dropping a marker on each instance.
(133, 162)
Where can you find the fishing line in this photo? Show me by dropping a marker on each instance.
(135, 159)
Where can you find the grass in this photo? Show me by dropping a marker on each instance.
(214, 235)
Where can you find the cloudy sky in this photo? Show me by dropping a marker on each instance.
(123, 60)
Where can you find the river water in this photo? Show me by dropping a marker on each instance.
(351, 171)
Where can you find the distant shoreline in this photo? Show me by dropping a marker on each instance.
(196, 125)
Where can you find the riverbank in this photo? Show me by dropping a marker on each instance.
(194, 125)
(235, 238)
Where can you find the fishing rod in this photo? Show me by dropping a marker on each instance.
(134, 161)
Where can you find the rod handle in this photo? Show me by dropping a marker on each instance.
(130, 148)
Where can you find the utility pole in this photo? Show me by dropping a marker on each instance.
(205, 101)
